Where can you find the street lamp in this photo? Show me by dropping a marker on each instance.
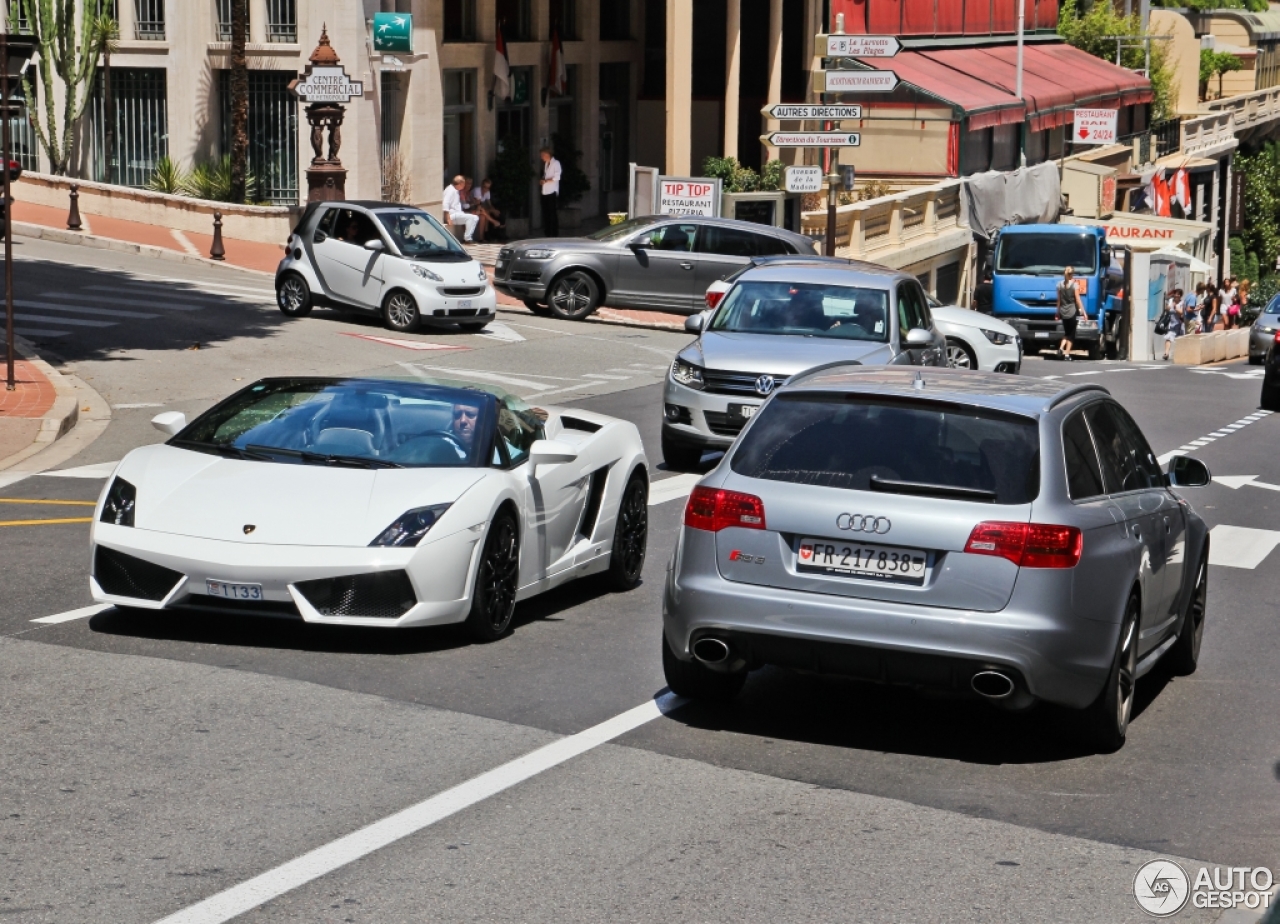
(15, 55)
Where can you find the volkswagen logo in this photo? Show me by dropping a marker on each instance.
(861, 523)
(764, 385)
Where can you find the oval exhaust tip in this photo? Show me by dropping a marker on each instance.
(711, 650)
(992, 684)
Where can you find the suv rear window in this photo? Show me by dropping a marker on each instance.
(865, 443)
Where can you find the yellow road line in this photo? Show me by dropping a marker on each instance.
(45, 522)
(63, 503)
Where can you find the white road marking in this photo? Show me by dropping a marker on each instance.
(138, 404)
(1095, 372)
(501, 332)
(71, 615)
(12, 478)
(1236, 482)
(673, 488)
(68, 322)
(1223, 433)
(1240, 547)
(185, 242)
(252, 290)
(607, 378)
(248, 895)
(422, 345)
(548, 330)
(1246, 374)
(81, 309)
(98, 470)
(485, 375)
(151, 299)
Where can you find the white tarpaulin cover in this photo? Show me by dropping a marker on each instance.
(1027, 196)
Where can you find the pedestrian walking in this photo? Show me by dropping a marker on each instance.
(454, 213)
(1069, 310)
(550, 193)
(1209, 309)
(1235, 311)
(1172, 323)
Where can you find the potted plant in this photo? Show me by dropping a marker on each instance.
(752, 196)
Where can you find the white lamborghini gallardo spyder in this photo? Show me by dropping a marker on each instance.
(371, 502)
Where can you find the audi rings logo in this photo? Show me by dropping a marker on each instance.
(861, 523)
(764, 385)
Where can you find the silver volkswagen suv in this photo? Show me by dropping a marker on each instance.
(779, 319)
(992, 536)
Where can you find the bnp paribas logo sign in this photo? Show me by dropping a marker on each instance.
(393, 32)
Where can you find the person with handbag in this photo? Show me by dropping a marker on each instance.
(1069, 310)
(1170, 324)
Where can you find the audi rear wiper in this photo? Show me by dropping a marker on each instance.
(892, 486)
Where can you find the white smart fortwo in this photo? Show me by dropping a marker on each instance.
(393, 260)
(371, 502)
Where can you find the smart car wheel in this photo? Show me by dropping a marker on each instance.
(1108, 718)
(959, 356)
(696, 681)
(573, 296)
(293, 296)
(630, 536)
(400, 312)
(1185, 655)
(537, 307)
(493, 602)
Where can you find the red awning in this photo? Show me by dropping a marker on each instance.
(1056, 78)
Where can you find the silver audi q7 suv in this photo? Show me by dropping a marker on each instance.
(1001, 537)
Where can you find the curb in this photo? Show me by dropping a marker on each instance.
(57, 235)
(60, 419)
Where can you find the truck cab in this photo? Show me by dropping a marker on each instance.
(1027, 265)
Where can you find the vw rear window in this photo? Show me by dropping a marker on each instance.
(843, 441)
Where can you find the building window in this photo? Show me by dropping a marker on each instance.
(615, 20)
(140, 129)
(564, 19)
(282, 21)
(18, 21)
(393, 171)
(615, 126)
(562, 114)
(273, 133)
(148, 20)
(22, 137)
(224, 20)
(515, 20)
(105, 8)
(459, 20)
(459, 124)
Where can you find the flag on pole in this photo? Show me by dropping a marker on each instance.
(501, 69)
(1182, 191)
(559, 82)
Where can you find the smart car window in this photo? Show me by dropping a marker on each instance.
(327, 220)
(846, 441)
(354, 227)
(1084, 476)
(805, 310)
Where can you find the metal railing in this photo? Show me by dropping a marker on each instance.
(282, 21)
(148, 20)
(23, 146)
(140, 134)
(224, 20)
(273, 133)
(1141, 144)
(1167, 136)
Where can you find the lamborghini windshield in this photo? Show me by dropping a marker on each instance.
(366, 423)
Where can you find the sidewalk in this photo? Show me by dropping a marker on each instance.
(42, 408)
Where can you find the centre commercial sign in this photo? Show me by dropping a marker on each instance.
(327, 84)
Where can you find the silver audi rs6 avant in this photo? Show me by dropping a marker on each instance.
(995, 536)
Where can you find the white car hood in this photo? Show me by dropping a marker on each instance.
(964, 317)
(210, 497)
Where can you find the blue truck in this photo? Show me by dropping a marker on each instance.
(1027, 263)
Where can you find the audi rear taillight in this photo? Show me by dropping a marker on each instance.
(713, 509)
(713, 298)
(1028, 545)
(1277, 336)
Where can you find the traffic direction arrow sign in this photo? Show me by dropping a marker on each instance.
(833, 113)
(854, 81)
(812, 139)
(857, 46)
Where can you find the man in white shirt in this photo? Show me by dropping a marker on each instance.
(550, 194)
(454, 214)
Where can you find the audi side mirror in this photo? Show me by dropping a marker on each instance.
(641, 242)
(1186, 472)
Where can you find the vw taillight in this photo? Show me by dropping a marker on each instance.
(713, 509)
(1028, 545)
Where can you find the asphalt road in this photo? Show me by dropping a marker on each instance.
(150, 763)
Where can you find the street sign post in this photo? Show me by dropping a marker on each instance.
(856, 46)
(812, 139)
(798, 179)
(15, 55)
(1094, 126)
(834, 113)
(393, 32)
(855, 81)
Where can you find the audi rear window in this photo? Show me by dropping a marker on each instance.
(870, 443)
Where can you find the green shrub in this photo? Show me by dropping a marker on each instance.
(168, 177)
(211, 180)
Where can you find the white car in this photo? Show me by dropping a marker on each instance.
(392, 260)
(976, 340)
(371, 502)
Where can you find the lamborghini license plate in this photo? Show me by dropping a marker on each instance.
(233, 591)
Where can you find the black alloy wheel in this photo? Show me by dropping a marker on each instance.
(1185, 656)
(400, 312)
(959, 356)
(1108, 717)
(293, 296)
(493, 601)
(573, 296)
(630, 536)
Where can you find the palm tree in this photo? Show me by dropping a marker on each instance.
(239, 100)
(105, 32)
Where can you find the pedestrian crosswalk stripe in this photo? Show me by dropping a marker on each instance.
(211, 296)
(69, 322)
(150, 302)
(1240, 547)
(81, 309)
